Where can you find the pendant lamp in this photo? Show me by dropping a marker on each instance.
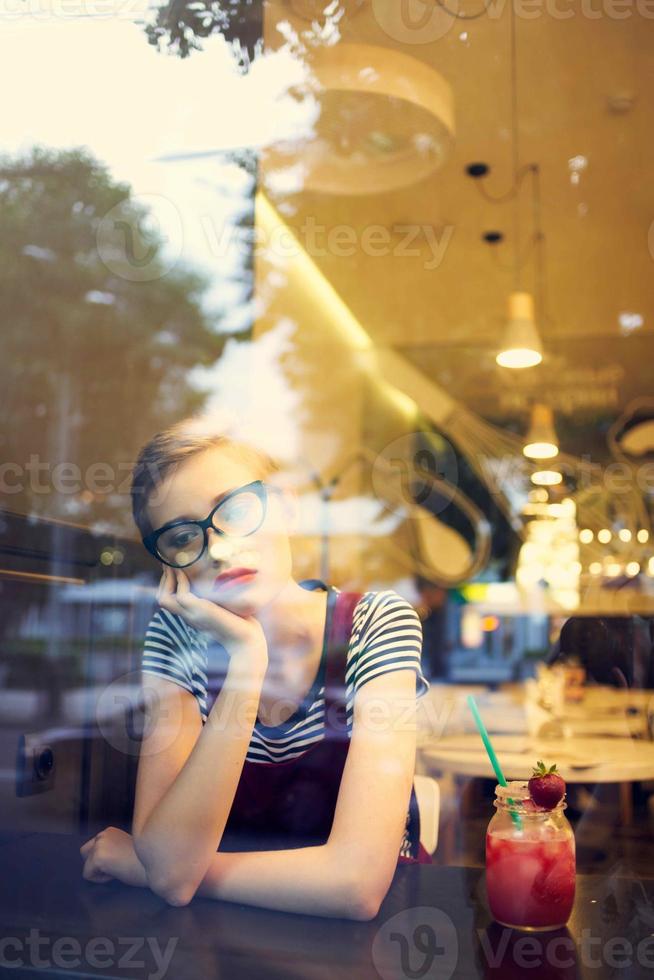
(521, 346)
(541, 442)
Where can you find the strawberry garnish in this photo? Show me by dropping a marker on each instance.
(546, 787)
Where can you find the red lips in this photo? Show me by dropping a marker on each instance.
(232, 574)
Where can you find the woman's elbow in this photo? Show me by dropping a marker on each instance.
(178, 899)
(364, 911)
(370, 886)
(365, 898)
(365, 905)
(173, 893)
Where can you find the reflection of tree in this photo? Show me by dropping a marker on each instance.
(182, 24)
(94, 362)
(179, 27)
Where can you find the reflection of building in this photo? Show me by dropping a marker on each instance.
(491, 648)
(117, 605)
(81, 623)
(70, 628)
(117, 611)
(112, 608)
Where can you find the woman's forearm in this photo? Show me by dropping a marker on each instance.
(180, 836)
(308, 880)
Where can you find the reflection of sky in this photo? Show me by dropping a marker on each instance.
(356, 515)
(96, 82)
(249, 386)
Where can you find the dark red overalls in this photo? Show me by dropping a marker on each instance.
(291, 804)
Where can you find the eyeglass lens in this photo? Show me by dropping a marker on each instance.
(238, 516)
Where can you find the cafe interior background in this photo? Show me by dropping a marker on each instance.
(396, 246)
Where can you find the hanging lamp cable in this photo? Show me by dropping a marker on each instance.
(515, 149)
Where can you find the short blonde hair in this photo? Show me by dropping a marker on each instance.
(162, 455)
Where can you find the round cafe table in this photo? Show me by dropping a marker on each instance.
(603, 711)
(579, 760)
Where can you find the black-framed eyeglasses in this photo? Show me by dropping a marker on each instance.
(240, 513)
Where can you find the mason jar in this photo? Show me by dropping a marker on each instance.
(530, 861)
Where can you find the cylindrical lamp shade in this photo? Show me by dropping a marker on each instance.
(521, 345)
(385, 120)
(541, 442)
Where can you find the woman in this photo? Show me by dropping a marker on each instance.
(281, 716)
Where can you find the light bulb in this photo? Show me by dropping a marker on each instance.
(546, 478)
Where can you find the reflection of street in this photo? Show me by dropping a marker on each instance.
(90, 725)
(69, 674)
(78, 706)
(67, 639)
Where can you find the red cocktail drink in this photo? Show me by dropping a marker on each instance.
(531, 883)
(530, 863)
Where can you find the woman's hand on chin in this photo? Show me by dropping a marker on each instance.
(240, 635)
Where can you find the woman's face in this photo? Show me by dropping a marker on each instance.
(191, 492)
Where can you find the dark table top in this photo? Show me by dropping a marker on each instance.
(434, 923)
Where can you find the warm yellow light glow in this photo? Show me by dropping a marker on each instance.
(541, 450)
(613, 569)
(650, 566)
(302, 265)
(633, 568)
(604, 535)
(471, 631)
(489, 624)
(404, 404)
(586, 535)
(546, 478)
(624, 534)
(643, 536)
(518, 358)
(595, 568)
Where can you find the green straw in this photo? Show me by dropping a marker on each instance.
(472, 704)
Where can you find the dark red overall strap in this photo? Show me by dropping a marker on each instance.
(338, 643)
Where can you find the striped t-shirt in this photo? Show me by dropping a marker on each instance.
(386, 636)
